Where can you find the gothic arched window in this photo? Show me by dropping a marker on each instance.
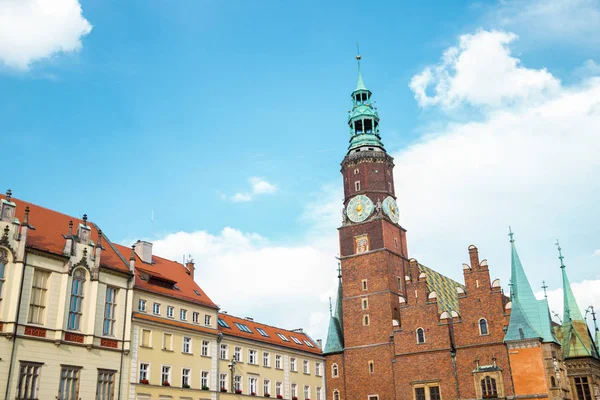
(336, 395)
(334, 371)
(75, 305)
(483, 327)
(420, 335)
(488, 388)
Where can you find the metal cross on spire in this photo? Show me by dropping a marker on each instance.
(560, 256)
(544, 286)
(330, 307)
(511, 234)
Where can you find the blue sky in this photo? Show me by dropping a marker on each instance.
(227, 121)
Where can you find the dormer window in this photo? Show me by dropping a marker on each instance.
(84, 233)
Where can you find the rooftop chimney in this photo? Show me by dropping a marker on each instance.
(320, 344)
(143, 251)
(189, 264)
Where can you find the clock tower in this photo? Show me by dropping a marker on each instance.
(373, 257)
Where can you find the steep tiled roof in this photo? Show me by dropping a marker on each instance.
(184, 288)
(271, 331)
(335, 333)
(49, 228)
(444, 287)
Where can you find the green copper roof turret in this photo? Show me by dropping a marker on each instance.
(577, 339)
(335, 335)
(363, 119)
(529, 317)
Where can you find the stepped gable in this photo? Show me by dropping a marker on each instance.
(50, 228)
(166, 277)
(444, 287)
(227, 326)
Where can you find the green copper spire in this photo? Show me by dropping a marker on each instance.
(363, 119)
(529, 317)
(335, 335)
(577, 339)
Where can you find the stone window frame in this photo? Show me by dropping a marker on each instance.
(364, 303)
(364, 285)
(357, 186)
(336, 394)
(427, 388)
(497, 375)
(335, 370)
(371, 367)
(487, 327)
(366, 320)
(419, 341)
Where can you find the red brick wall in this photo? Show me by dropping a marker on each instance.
(332, 383)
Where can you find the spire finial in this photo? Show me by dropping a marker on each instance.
(511, 234)
(70, 227)
(26, 219)
(544, 286)
(358, 57)
(560, 256)
(594, 318)
(84, 219)
(8, 195)
(339, 269)
(330, 307)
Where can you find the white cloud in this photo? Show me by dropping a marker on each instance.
(32, 30)
(481, 72)
(261, 186)
(258, 186)
(573, 22)
(597, 252)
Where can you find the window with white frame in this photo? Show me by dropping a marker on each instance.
(170, 311)
(195, 317)
(253, 385)
(356, 186)
(37, 305)
(237, 383)
(237, 354)
(110, 311)
(334, 371)
(306, 392)
(293, 364)
(204, 385)
(224, 352)
(296, 340)
(305, 367)
(29, 380)
(336, 395)
(156, 308)
(144, 372)
(205, 348)
(266, 387)
(105, 389)
(187, 345)
(183, 314)
(165, 374)
(278, 389)
(318, 393)
(185, 377)
(252, 357)
(76, 303)
(146, 338)
(266, 359)
(317, 368)
(68, 388)
(207, 320)
(142, 305)
(223, 381)
(278, 363)
(294, 390)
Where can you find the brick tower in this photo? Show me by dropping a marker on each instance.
(373, 258)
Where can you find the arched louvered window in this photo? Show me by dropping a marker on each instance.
(75, 305)
(420, 335)
(483, 327)
(488, 388)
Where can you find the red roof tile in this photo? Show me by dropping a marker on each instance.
(272, 331)
(49, 227)
(170, 271)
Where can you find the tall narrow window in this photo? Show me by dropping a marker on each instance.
(364, 284)
(105, 389)
(357, 186)
(29, 378)
(371, 367)
(3, 262)
(205, 348)
(483, 327)
(305, 367)
(75, 306)
(582, 388)
(434, 393)
(266, 359)
(165, 375)
(278, 363)
(317, 368)
(488, 388)
(146, 338)
(223, 381)
(204, 380)
(279, 389)
(420, 336)
(306, 392)
(224, 353)
(253, 386)
(366, 320)
(334, 371)
(110, 306)
(293, 364)
(69, 383)
(144, 372)
(294, 390)
(185, 378)
(187, 345)
(319, 396)
(237, 383)
(336, 395)
(266, 387)
(167, 341)
(420, 393)
(37, 305)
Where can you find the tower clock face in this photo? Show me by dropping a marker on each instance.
(359, 208)
(390, 208)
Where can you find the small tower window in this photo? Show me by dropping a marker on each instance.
(483, 327)
(371, 367)
(336, 395)
(368, 126)
(356, 171)
(364, 284)
(334, 371)
(366, 320)
(365, 304)
(488, 388)
(356, 186)
(389, 186)
(420, 336)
